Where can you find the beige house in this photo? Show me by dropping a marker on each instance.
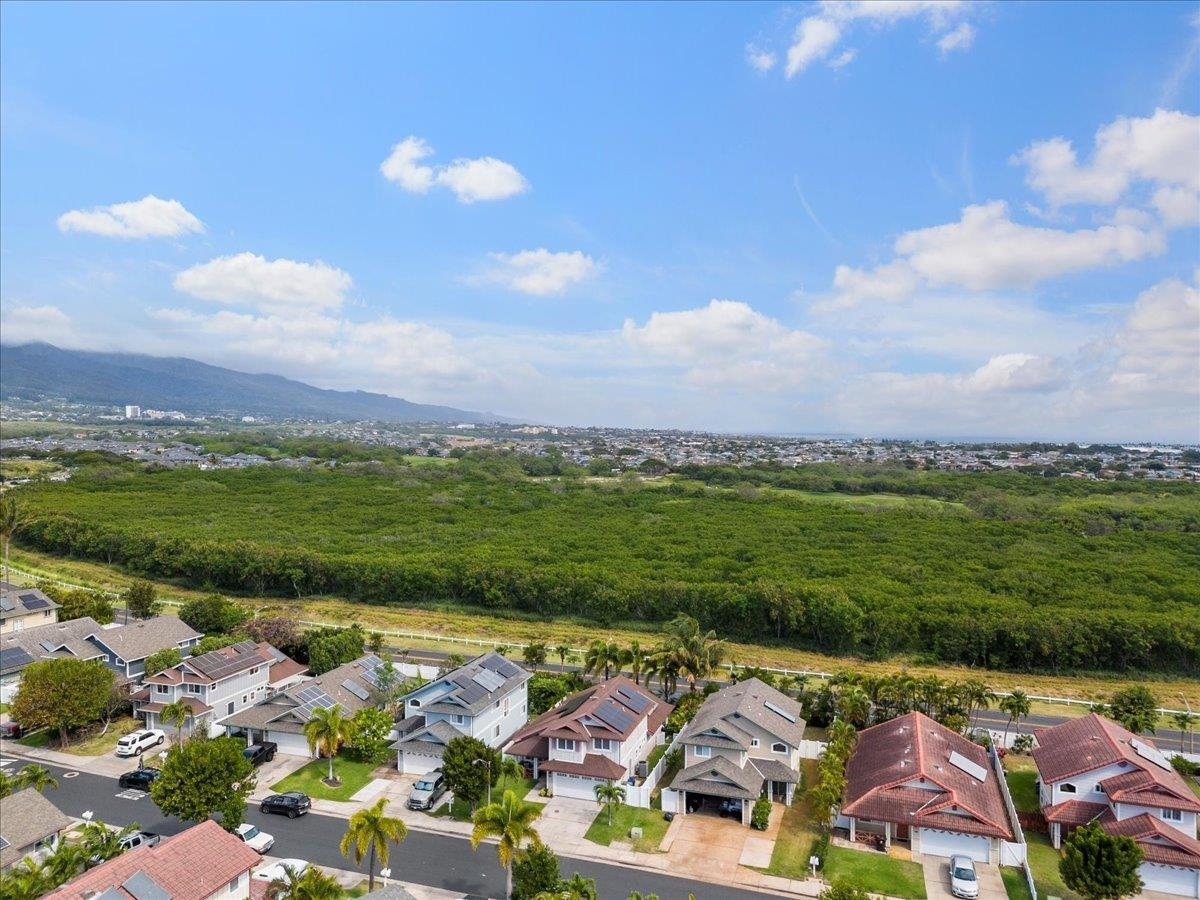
(24, 607)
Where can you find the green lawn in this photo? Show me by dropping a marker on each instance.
(461, 810)
(651, 821)
(793, 847)
(3, 707)
(1043, 859)
(96, 742)
(874, 872)
(1021, 775)
(1015, 884)
(354, 775)
(38, 738)
(655, 755)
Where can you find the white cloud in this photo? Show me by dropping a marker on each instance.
(986, 250)
(761, 60)
(727, 344)
(817, 36)
(540, 272)
(1159, 345)
(471, 180)
(1163, 149)
(276, 284)
(961, 38)
(1016, 372)
(145, 218)
(25, 324)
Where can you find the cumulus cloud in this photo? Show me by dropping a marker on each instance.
(761, 60)
(1158, 347)
(819, 35)
(25, 324)
(471, 180)
(729, 344)
(540, 272)
(145, 218)
(269, 284)
(986, 250)
(1162, 149)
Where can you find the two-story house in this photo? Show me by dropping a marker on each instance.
(590, 738)
(742, 744)
(911, 779)
(24, 607)
(1093, 770)
(126, 647)
(214, 685)
(486, 699)
(281, 716)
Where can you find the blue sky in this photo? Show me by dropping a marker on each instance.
(810, 217)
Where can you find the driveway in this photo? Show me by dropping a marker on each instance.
(937, 880)
(704, 842)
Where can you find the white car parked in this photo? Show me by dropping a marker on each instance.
(255, 839)
(139, 741)
(963, 880)
(276, 869)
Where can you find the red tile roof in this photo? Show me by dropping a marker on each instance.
(1093, 742)
(891, 759)
(192, 865)
(1074, 812)
(1160, 843)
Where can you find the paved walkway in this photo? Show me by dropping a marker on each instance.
(937, 880)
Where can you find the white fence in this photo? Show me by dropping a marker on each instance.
(640, 795)
(812, 749)
(1012, 853)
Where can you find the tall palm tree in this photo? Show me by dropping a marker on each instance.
(176, 713)
(509, 768)
(637, 661)
(101, 841)
(534, 654)
(663, 665)
(609, 795)
(602, 656)
(510, 820)
(1016, 705)
(67, 861)
(1184, 722)
(311, 884)
(854, 705)
(326, 731)
(36, 777)
(29, 879)
(562, 651)
(12, 519)
(694, 653)
(370, 831)
(974, 695)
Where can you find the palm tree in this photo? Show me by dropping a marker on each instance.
(974, 695)
(601, 655)
(577, 888)
(36, 777)
(1016, 705)
(176, 713)
(637, 661)
(312, 884)
(694, 654)
(608, 796)
(509, 768)
(12, 519)
(1183, 721)
(101, 841)
(510, 820)
(67, 861)
(326, 731)
(562, 651)
(29, 879)
(854, 705)
(534, 654)
(663, 665)
(370, 831)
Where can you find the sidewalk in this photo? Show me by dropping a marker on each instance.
(107, 764)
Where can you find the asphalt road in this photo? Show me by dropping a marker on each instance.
(435, 860)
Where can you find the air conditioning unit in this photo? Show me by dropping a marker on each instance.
(642, 769)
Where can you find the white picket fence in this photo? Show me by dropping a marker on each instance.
(1012, 853)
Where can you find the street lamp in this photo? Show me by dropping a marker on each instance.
(87, 815)
(385, 874)
(488, 763)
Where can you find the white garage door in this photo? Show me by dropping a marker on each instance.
(418, 763)
(948, 843)
(289, 744)
(1170, 879)
(575, 787)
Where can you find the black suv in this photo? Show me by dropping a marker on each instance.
(291, 804)
(139, 778)
(260, 753)
(731, 808)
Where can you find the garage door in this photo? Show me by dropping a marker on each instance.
(948, 843)
(576, 786)
(290, 744)
(1169, 879)
(418, 763)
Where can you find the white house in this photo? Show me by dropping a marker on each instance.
(914, 780)
(486, 699)
(214, 685)
(1091, 769)
(597, 735)
(742, 744)
(281, 716)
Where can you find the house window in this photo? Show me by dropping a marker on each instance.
(161, 688)
(416, 703)
(196, 688)
(703, 752)
(506, 706)
(1067, 788)
(602, 744)
(458, 720)
(1098, 789)
(564, 744)
(243, 698)
(230, 708)
(254, 671)
(779, 747)
(1172, 815)
(496, 733)
(233, 886)
(753, 742)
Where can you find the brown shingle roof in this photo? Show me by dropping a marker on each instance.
(594, 766)
(891, 758)
(190, 866)
(719, 777)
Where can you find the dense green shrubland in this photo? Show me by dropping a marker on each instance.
(996, 570)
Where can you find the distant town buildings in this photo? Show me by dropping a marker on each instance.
(133, 412)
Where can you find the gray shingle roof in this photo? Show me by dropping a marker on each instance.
(732, 781)
(139, 639)
(282, 711)
(72, 634)
(753, 700)
(440, 729)
(475, 686)
(25, 818)
(17, 601)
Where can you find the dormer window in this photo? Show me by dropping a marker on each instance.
(779, 747)
(416, 703)
(704, 752)
(1099, 789)
(753, 742)
(1067, 788)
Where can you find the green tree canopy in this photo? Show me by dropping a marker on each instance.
(80, 602)
(1135, 708)
(63, 694)
(535, 871)
(369, 738)
(1100, 866)
(329, 648)
(511, 821)
(203, 776)
(141, 599)
(163, 659)
(468, 781)
(213, 614)
(369, 833)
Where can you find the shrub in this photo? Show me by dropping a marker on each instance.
(1023, 743)
(761, 814)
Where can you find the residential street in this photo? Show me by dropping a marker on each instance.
(435, 860)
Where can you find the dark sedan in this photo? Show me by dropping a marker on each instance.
(291, 804)
(139, 778)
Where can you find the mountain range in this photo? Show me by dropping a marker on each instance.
(45, 372)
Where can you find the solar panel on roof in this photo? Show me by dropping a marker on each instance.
(779, 711)
(612, 715)
(35, 602)
(48, 646)
(971, 767)
(356, 689)
(634, 700)
(508, 668)
(1153, 754)
(487, 679)
(6, 604)
(143, 887)
(11, 657)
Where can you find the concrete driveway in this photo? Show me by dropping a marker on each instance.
(937, 880)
